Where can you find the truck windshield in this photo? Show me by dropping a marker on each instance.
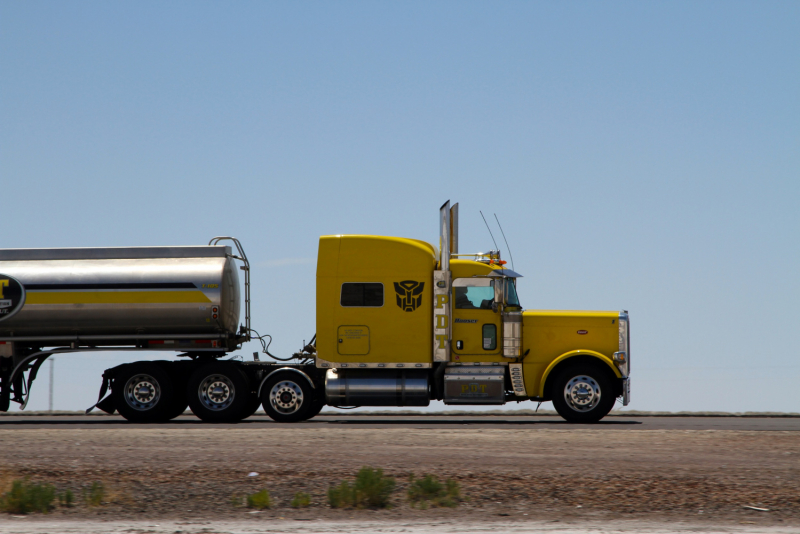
(511, 293)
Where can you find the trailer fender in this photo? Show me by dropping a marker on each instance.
(600, 357)
(292, 369)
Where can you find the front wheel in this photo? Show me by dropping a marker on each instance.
(583, 394)
(288, 398)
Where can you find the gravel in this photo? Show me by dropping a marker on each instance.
(524, 475)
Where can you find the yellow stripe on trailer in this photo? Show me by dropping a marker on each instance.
(115, 297)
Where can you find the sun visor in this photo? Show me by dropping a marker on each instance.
(505, 272)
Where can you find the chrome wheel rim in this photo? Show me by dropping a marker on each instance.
(216, 392)
(582, 393)
(142, 392)
(286, 397)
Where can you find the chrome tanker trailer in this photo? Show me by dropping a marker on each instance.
(184, 299)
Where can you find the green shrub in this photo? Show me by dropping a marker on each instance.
(66, 499)
(236, 500)
(301, 500)
(342, 496)
(96, 494)
(25, 497)
(259, 500)
(428, 491)
(371, 490)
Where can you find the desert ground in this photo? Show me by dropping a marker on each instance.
(189, 477)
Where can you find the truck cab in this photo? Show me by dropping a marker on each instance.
(400, 323)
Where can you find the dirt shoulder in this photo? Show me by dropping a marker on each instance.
(506, 474)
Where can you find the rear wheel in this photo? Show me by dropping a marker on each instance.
(583, 394)
(253, 404)
(218, 393)
(319, 404)
(179, 405)
(179, 401)
(288, 398)
(144, 393)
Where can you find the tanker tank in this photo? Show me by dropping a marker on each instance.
(142, 292)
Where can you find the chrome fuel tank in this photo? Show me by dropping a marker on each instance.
(120, 291)
(374, 387)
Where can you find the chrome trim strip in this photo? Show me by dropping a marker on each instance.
(114, 337)
(325, 364)
(113, 253)
(475, 364)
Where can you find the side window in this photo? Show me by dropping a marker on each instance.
(489, 337)
(362, 295)
(474, 298)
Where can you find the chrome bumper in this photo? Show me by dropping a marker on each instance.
(622, 359)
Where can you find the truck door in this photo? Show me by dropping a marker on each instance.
(476, 327)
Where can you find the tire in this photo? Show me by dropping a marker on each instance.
(254, 403)
(179, 406)
(144, 393)
(179, 401)
(288, 398)
(319, 404)
(218, 393)
(583, 394)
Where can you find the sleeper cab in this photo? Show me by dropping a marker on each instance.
(374, 299)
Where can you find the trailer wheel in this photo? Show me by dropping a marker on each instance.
(583, 394)
(288, 398)
(179, 406)
(143, 393)
(179, 401)
(253, 404)
(218, 393)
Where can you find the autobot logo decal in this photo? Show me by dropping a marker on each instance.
(409, 294)
(12, 296)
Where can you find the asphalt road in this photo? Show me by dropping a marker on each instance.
(619, 422)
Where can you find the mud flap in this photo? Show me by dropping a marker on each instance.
(106, 404)
(5, 395)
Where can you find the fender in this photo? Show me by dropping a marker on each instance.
(581, 352)
(298, 371)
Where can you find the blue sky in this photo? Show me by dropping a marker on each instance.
(640, 155)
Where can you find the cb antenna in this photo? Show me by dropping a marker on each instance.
(504, 239)
(490, 230)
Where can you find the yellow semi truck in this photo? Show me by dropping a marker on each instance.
(399, 322)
